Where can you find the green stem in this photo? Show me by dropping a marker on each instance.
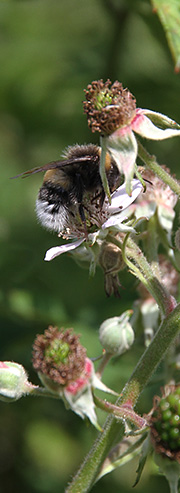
(151, 163)
(130, 452)
(154, 353)
(165, 302)
(102, 168)
(123, 412)
(145, 368)
(173, 485)
(105, 360)
(151, 242)
(86, 476)
(143, 271)
(44, 392)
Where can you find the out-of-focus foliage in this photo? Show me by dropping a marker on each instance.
(49, 52)
(169, 15)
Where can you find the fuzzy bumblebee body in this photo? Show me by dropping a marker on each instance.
(72, 190)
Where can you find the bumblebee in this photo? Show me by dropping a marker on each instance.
(72, 194)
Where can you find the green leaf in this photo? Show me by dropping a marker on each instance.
(122, 453)
(142, 460)
(169, 15)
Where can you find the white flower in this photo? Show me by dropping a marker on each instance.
(115, 213)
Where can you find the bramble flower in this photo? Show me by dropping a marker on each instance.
(159, 201)
(92, 248)
(111, 110)
(66, 371)
(110, 218)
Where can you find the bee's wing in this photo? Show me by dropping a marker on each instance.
(45, 167)
(53, 165)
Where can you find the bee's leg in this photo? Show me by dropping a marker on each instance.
(102, 198)
(79, 199)
(83, 219)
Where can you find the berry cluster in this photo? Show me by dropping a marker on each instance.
(165, 424)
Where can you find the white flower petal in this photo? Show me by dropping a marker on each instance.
(150, 313)
(145, 209)
(166, 217)
(98, 384)
(83, 405)
(144, 126)
(116, 222)
(159, 119)
(55, 251)
(122, 146)
(120, 199)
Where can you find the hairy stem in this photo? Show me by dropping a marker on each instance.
(105, 360)
(164, 300)
(123, 412)
(102, 168)
(145, 368)
(151, 163)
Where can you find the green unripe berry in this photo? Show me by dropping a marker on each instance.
(165, 423)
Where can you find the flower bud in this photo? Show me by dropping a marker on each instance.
(111, 261)
(13, 381)
(116, 334)
(110, 258)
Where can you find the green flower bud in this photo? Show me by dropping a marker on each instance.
(116, 334)
(13, 381)
(111, 261)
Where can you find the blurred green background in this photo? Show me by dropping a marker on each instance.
(49, 52)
